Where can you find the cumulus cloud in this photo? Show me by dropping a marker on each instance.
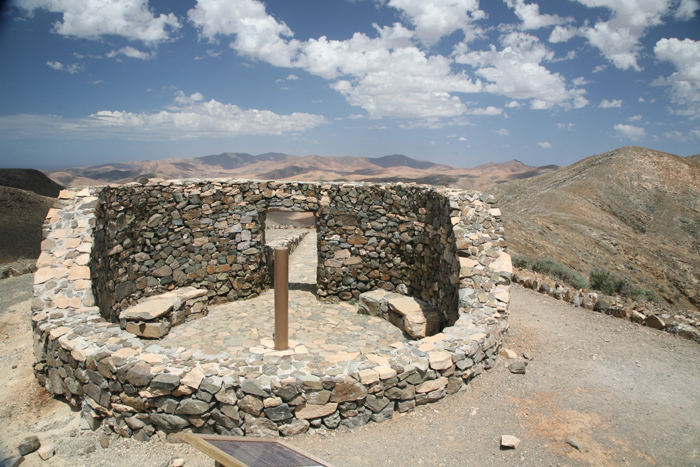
(684, 84)
(618, 38)
(72, 69)
(131, 52)
(606, 104)
(462, 138)
(516, 72)
(502, 132)
(565, 126)
(438, 18)
(686, 10)
(489, 111)
(386, 75)
(530, 15)
(513, 104)
(635, 118)
(562, 34)
(545, 144)
(88, 19)
(634, 133)
(677, 136)
(188, 117)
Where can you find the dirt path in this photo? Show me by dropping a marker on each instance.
(628, 395)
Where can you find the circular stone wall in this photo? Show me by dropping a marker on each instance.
(108, 247)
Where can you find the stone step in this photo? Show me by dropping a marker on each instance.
(153, 316)
(413, 316)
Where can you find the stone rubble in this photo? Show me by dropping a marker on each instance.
(108, 248)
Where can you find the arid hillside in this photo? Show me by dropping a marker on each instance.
(632, 211)
(22, 214)
(277, 166)
(30, 180)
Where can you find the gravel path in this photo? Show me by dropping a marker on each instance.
(625, 394)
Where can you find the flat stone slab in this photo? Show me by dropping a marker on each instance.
(153, 317)
(149, 309)
(415, 317)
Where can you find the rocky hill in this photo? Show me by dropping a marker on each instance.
(30, 180)
(22, 214)
(278, 166)
(633, 211)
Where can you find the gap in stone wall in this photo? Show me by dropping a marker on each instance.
(278, 225)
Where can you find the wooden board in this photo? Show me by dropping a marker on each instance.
(238, 451)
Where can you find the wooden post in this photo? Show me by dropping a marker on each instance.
(281, 298)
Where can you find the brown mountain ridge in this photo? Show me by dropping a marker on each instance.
(633, 211)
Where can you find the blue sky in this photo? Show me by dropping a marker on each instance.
(460, 82)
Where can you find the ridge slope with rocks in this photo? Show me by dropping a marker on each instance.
(632, 211)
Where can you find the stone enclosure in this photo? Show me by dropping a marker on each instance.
(406, 250)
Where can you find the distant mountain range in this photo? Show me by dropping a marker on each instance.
(278, 166)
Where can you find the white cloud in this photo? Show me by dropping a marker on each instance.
(72, 69)
(462, 138)
(677, 136)
(634, 133)
(438, 18)
(502, 132)
(189, 117)
(356, 116)
(182, 99)
(317, 101)
(695, 133)
(684, 83)
(562, 34)
(641, 99)
(488, 111)
(530, 15)
(516, 72)
(386, 75)
(565, 126)
(606, 104)
(618, 38)
(545, 144)
(686, 10)
(292, 77)
(132, 53)
(513, 104)
(258, 35)
(89, 19)
(635, 118)
(599, 68)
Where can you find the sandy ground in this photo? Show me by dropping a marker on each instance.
(626, 394)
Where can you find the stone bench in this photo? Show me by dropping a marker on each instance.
(413, 316)
(152, 317)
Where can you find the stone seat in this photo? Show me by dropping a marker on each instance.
(152, 317)
(413, 316)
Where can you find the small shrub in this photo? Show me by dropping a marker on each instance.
(525, 262)
(548, 266)
(646, 295)
(610, 283)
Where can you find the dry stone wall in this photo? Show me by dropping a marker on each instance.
(108, 247)
(684, 323)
